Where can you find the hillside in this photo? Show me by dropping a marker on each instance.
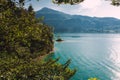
(77, 23)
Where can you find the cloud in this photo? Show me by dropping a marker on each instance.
(91, 3)
(98, 8)
(104, 9)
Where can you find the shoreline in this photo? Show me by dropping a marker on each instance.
(41, 57)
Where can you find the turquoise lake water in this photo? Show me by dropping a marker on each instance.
(93, 55)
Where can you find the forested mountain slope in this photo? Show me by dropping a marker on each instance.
(77, 23)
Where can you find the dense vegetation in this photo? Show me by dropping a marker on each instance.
(23, 41)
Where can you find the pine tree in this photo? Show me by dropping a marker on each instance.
(30, 8)
(22, 40)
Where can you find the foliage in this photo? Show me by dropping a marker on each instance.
(72, 2)
(14, 68)
(93, 79)
(21, 34)
(115, 2)
(23, 39)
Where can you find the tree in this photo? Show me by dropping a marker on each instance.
(67, 1)
(20, 32)
(18, 69)
(23, 39)
(72, 2)
(30, 8)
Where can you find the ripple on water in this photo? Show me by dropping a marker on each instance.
(94, 55)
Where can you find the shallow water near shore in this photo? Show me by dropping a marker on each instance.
(93, 55)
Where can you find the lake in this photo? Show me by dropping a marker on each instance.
(93, 55)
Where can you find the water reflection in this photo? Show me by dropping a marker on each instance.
(115, 57)
(94, 55)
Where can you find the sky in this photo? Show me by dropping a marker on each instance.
(93, 8)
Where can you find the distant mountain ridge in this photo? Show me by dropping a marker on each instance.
(77, 23)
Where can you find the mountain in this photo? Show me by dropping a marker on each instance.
(77, 23)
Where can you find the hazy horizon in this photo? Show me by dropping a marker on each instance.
(77, 14)
(96, 8)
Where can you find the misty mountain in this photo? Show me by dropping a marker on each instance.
(77, 23)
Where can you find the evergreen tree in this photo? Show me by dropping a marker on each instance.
(23, 40)
(30, 8)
